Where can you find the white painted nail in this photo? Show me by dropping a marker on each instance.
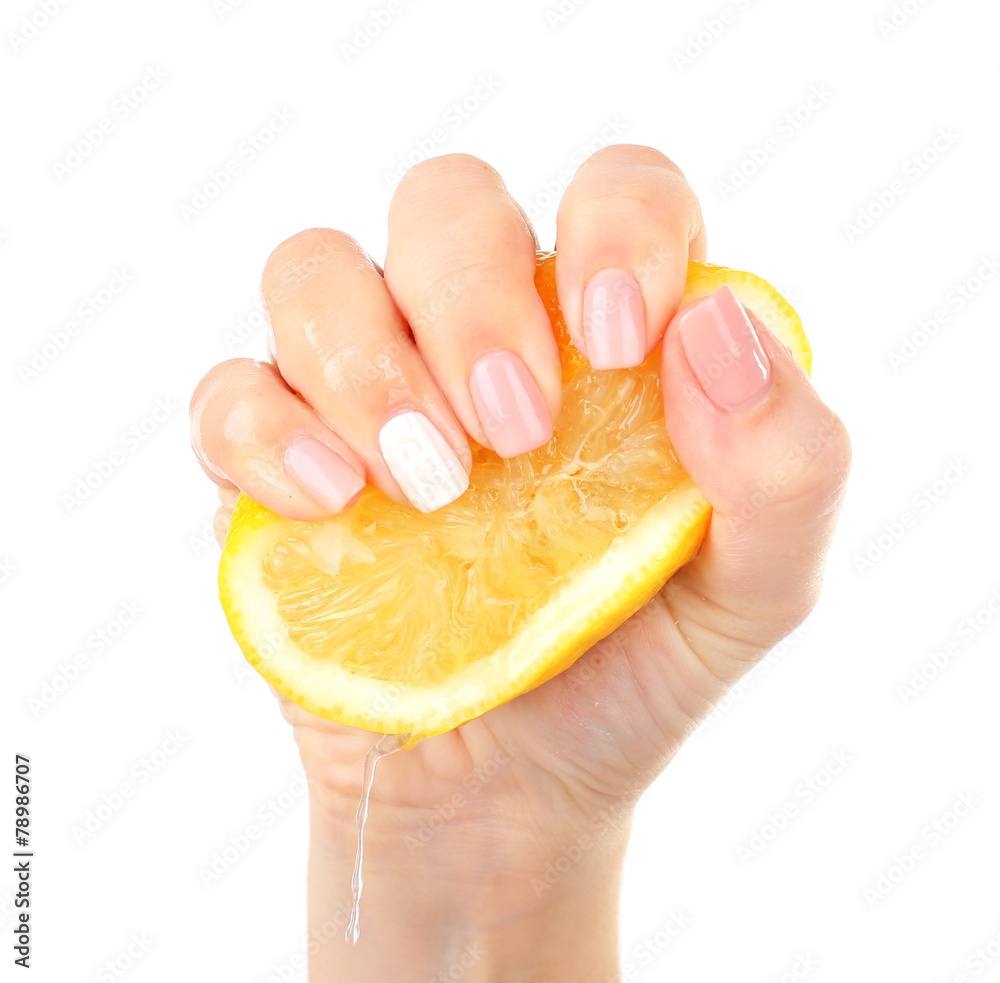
(422, 461)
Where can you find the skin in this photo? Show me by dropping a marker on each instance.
(500, 843)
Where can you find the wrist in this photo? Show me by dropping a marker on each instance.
(491, 899)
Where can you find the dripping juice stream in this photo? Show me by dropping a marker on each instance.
(386, 744)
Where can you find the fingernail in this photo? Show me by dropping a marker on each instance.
(509, 404)
(614, 324)
(322, 474)
(723, 350)
(422, 461)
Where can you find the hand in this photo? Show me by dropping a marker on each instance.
(506, 835)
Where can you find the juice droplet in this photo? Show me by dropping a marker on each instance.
(386, 744)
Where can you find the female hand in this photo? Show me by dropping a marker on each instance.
(496, 847)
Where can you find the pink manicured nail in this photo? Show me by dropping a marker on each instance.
(723, 350)
(509, 404)
(614, 323)
(322, 474)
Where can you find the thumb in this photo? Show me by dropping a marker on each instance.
(772, 460)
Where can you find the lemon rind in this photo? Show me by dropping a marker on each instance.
(573, 619)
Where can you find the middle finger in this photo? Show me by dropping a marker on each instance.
(461, 266)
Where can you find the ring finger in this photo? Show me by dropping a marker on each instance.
(340, 342)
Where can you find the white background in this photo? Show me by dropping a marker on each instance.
(143, 537)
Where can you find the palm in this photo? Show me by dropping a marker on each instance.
(596, 733)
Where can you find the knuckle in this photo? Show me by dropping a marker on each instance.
(836, 443)
(636, 215)
(631, 201)
(446, 291)
(634, 193)
(841, 441)
(632, 181)
(485, 277)
(299, 258)
(200, 392)
(840, 452)
(448, 208)
(226, 412)
(223, 386)
(825, 481)
(208, 385)
(628, 154)
(444, 174)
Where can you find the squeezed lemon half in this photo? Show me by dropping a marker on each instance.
(402, 622)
